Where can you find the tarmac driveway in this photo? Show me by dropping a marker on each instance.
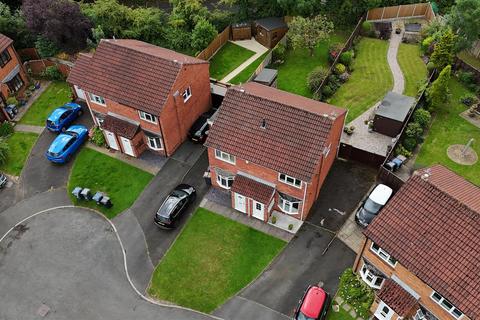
(70, 262)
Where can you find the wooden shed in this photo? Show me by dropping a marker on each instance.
(269, 31)
(391, 113)
(241, 31)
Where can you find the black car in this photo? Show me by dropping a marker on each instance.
(199, 130)
(3, 180)
(176, 202)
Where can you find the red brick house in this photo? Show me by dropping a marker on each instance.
(12, 74)
(272, 149)
(422, 252)
(142, 96)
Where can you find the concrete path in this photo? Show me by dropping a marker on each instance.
(22, 110)
(398, 79)
(29, 128)
(253, 45)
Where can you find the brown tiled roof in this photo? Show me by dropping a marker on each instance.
(121, 127)
(432, 227)
(131, 72)
(397, 298)
(4, 42)
(252, 189)
(296, 129)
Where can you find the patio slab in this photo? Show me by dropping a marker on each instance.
(283, 221)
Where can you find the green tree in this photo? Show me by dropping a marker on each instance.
(443, 52)
(4, 151)
(147, 24)
(308, 32)
(253, 9)
(437, 93)
(12, 24)
(186, 13)
(203, 33)
(46, 48)
(113, 17)
(464, 18)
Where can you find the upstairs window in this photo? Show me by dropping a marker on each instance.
(147, 117)
(445, 304)
(383, 255)
(97, 99)
(4, 58)
(290, 180)
(227, 157)
(187, 94)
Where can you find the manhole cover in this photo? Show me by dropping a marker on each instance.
(43, 310)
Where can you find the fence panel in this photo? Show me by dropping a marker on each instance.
(36, 67)
(402, 11)
(215, 45)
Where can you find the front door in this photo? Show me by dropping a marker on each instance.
(258, 210)
(383, 311)
(112, 141)
(240, 203)
(127, 146)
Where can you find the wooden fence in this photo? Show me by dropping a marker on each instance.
(268, 59)
(216, 44)
(417, 10)
(28, 54)
(36, 67)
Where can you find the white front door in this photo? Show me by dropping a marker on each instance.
(80, 92)
(112, 141)
(127, 146)
(258, 210)
(383, 311)
(240, 203)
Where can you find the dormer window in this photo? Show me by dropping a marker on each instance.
(147, 117)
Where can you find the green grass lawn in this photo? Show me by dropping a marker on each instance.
(413, 68)
(449, 128)
(99, 172)
(229, 57)
(470, 59)
(212, 259)
(20, 144)
(371, 79)
(293, 73)
(243, 76)
(57, 94)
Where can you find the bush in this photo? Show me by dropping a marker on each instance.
(52, 73)
(430, 66)
(409, 144)
(347, 58)
(414, 130)
(274, 219)
(367, 29)
(12, 100)
(339, 69)
(466, 77)
(4, 151)
(334, 82)
(400, 150)
(422, 117)
(426, 45)
(344, 77)
(468, 99)
(203, 33)
(97, 137)
(278, 53)
(355, 292)
(327, 92)
(316, 77)
(46, 48)
(333, 50)
(6, 129)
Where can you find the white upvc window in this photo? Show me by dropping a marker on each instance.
(147, 117)
(290, 180)
(227, 157)
(385, 256)
(371, 279)
(288, 206)
(154, 143)
(187, 94)
(97, 99)
(225, 182)
(445, 304)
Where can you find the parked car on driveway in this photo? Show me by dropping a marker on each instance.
(372, 205)
(66, 143)
(313, 305)
(199, 131)
(63, 116)
(3, 180)
(175, 204)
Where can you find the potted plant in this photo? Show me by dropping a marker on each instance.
(274, 219)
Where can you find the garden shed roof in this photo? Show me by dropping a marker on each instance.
(395, 106)
(271, 23)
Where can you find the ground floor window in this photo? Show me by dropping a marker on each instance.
(288, 204)
(15, 84)
(225, 181)
(154, 142)
(370, 278)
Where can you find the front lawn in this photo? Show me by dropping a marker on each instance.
(57, 94)
(211, 260)
(293, 73)
(449, 128)
(20, 144)
(246, 73)
(413, 68)
(371, 79)
(122, 182)
(227, 59)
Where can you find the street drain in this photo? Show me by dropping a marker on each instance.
(43, 310)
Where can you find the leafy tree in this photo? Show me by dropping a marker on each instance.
(4, 151)
(443, 52)
(299, 7)
(221, 18)
(186, 13)
(110, 15)
(308, 32)
(437, 93)
(253, 9)
(147, 24)
(422, 117)
(60, 21)
(45, 47)
(13, 25)
(178, 39)
(464, 19)
(203, 33)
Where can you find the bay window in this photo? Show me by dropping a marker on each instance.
(288, 204)
(370, 277)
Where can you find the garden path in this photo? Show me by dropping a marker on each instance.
(253, 45)
(398, 79)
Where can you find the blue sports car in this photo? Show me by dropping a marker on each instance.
(61, 117)
(65, 144)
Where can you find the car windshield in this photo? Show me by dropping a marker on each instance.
(167, 207)
(301, 316)
(179, 194)
(372, 206)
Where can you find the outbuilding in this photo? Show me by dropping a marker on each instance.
(267, 77)
(269, 31)
(241, 31)
(391, 113)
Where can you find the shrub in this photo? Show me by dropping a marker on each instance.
(12, 100)
(466, 77)
(316, 77)
(4, 151)
(347, 58)
(290, 226)
(468, 99)
(203, 33)
(274, 219)
(414, 130)
(367, 29)
(355, 292)
(46, 48)
(400, 150)
(339, 68)
(278, 53)
(333, 50)
(334, 82)
(52, 73)
(409, 144)
(327, 92)
(344, 77)
(430, 66)
(422, 117)
(426, 45)
(6, 129)
(97, 137)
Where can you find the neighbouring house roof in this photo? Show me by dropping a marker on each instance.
(395, 106)
(131, 72)
(295, 133)
(5, 42)
(396, 297)
(121, 127)
(252, 189)
(272, 23)
(432, 227)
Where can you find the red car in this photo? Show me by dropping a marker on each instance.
(313, 305)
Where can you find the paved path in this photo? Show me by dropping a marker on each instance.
(253, 45)
(29, 128)
(22, 110)
(398, 79)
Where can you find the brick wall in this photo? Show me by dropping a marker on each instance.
(15, 60)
